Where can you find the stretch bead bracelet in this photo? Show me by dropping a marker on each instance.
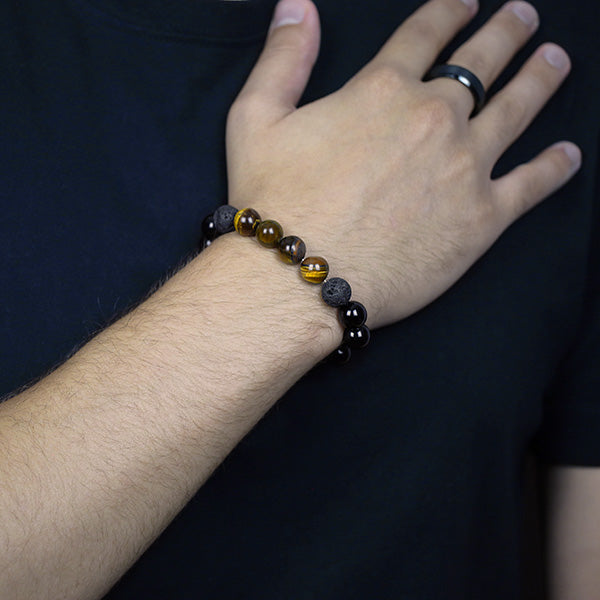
(335, 291)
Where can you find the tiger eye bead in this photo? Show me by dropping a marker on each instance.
(314, 269)
(268, 233)
(246, 221)
(292, 249)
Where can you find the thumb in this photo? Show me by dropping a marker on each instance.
(278, 79)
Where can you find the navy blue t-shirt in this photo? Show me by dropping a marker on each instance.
(399, 477)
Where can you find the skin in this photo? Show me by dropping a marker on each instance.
(98, 457)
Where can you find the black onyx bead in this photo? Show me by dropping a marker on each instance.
(204, 243)
(354, 314)
(357, 337)
(209, 228)
(340, 356)
(224, 218)
(292, 249)
(336, 292)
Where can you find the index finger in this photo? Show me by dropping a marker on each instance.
(415, 45)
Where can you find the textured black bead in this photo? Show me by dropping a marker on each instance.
(336, 292)
(340, 356)
(357, 337)
(224, 218)
(209, 229)
(354, 314)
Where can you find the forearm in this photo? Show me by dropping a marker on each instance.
(99, 456)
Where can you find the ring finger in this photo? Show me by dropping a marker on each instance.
(488, 51)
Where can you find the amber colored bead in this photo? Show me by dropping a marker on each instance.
(268, 233)
(292, 249)
(246, 221)
(314, 269)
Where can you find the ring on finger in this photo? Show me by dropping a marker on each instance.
(464, 76)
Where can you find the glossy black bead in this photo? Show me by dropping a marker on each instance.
(336, 292)
(357, 337)
(340, 356)
(209, 228)
(204, 243)
(353, 314)
(224, 218)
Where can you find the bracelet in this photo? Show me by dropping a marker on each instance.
(335, 291)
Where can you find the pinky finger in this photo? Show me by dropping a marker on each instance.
(526, 185)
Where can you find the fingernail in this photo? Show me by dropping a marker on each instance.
(557, 57)
(288, 12)
(573, 152)
(525, 12)
(473, 5)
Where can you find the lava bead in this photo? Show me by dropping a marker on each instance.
(269, 233)
(209, 228)
(354, 314)
(336, 292)
(314, 269)
(357, 337)
(292, 249)
(246, 221)
(223, 217)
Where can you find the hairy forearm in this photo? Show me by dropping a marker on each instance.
(99, 456)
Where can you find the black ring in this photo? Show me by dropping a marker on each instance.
(464, 76)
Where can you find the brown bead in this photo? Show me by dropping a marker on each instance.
(314, 269)
(292, 249)
(246, 221)
(268, 233)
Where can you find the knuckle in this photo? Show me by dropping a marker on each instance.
(420, 28)
(527, 193)
(435, 113)
(287, 41)
(244, 110)
(477, 62)
(384, 81)
(512, 111)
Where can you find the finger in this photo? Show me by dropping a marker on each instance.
(512, 109)
(529, 183)
(488, 51)
(279, 77)
(418, 41)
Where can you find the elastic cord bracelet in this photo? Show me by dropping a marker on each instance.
(335, 291)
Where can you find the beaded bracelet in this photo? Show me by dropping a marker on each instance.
(336, 292)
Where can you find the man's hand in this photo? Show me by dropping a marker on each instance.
(388, 177)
